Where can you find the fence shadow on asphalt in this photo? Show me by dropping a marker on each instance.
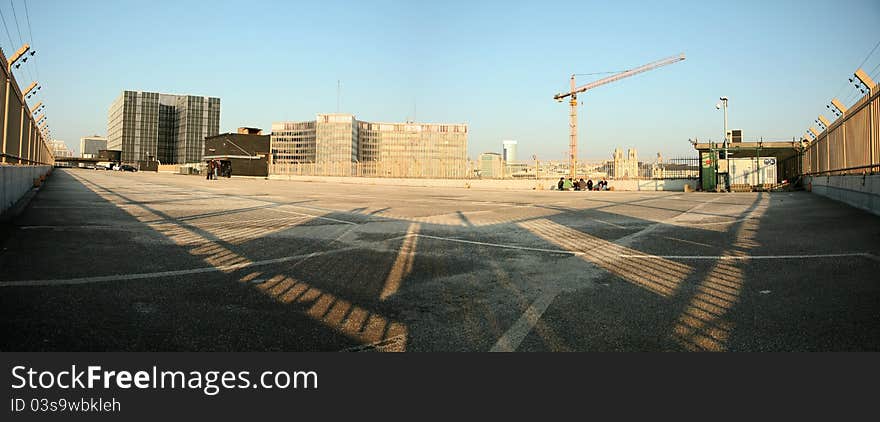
(323, 297)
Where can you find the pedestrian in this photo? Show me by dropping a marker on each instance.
(216, 169)
(582, 185)
(590, 184)
(210, 171)
(567, 185)
(561, 183)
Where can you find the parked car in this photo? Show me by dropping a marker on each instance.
(128, 167)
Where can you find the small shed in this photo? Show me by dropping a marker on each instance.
(245, 153)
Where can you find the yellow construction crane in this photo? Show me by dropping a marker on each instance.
(572, 152)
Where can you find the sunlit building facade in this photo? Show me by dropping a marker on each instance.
(90, 145)
(59, 149)
(341, 145)
(165, 127)
(509, 148)
(491, 165)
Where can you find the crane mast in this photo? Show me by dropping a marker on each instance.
(575, 90)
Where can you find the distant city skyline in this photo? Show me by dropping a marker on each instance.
(491, 65)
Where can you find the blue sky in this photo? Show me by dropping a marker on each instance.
(493, 65)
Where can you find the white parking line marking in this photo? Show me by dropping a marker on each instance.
(140, 276)
(315, 216)
(644, 256)
(749, 257)
(515, 335)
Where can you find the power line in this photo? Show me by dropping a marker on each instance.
(15, 17)
(11, 44)
(869, 54)
(27, 15)
(874, 70)
(843, 85)
(31, 37)
(30, 69)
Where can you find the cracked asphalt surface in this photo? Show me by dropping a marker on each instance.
(110, 261)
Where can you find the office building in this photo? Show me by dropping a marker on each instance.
(90, 145)
(491, 165)
(59, 148)
(341, 145)
(169, 128)
(509, 150)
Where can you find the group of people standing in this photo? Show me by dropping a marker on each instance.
(569, 184)
(217, 168)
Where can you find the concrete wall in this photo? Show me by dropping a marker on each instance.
(15, 181)
(494, 184)
(676, 185)
(859, 191)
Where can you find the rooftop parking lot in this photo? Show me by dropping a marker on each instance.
(147, 261)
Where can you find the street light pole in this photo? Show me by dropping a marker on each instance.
(726, 140)
(723, 103)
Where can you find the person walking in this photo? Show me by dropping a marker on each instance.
(216, 169)
(210, 170)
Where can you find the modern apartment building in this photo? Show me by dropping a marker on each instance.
(165, 127)
(90, 145)
(341, 145)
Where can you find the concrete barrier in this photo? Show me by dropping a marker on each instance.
(860, 191)
(16, 181)
(496, 184)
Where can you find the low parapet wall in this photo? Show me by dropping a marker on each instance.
(860, 191)
(15, 181)
(496, 184)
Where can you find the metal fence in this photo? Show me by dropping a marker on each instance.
(677, 168)
(674, 168)
(850, 145)
(22, 139)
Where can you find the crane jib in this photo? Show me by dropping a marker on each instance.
(622, 75)
(573, 141)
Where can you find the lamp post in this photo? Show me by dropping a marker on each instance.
(723, 104)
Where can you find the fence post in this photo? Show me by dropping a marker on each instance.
(842, 127)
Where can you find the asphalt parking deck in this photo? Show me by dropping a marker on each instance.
(145, 261)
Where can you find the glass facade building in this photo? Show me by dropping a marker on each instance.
(491, 165)
(90, 145)
(341, 145)
(165, 127)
